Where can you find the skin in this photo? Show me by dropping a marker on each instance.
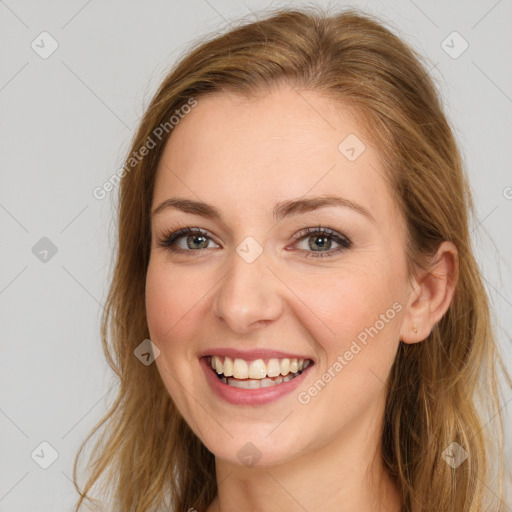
(243, 156)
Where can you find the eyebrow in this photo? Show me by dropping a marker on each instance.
(281, 209)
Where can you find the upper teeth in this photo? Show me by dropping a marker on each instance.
(257, 369)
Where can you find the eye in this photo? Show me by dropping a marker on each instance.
(186, 240)
(319, 242)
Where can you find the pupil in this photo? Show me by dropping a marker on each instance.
(196, 237)
(323, 243)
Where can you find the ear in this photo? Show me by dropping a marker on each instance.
(431, 294)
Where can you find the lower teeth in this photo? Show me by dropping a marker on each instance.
(257, 383)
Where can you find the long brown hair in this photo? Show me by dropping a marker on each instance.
(439, 390)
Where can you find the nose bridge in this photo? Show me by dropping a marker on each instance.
(248, 294)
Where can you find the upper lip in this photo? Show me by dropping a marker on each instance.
(250, 355)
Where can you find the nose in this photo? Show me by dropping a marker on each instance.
(248, 296)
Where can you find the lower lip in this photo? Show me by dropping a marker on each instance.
(258, 396)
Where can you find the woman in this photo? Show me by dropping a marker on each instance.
(293, 239)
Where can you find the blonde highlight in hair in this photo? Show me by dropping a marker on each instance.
(148, 456)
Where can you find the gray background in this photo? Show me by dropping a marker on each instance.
(66, 124)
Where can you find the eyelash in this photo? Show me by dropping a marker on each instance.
(168, 241)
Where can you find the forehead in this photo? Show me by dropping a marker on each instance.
(237, 152)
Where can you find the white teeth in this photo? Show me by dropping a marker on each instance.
(228, 367)
(217, 364)
(244, 384)
(273, 368)
(257, 383)
(257, 369)
(240, 369)
(238, 383)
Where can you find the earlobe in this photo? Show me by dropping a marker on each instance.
(416, 326)
(432, 295)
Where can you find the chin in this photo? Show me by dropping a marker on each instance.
(255, 448)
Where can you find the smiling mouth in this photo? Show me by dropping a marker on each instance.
(258, 373)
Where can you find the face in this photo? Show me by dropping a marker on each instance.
(291, 280)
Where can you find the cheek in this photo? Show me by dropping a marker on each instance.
(350, 303)
(172, 301)
(173, 309)
(361, 308)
